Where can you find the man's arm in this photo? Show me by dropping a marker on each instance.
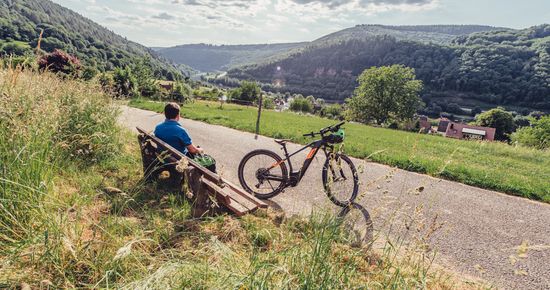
(186, 140)
(194, 150)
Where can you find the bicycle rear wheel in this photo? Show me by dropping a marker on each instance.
(340, 179)
(263, 173)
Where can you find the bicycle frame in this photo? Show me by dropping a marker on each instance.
(295, 177)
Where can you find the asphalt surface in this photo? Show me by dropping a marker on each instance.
(482, 234)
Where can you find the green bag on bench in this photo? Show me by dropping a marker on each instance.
(206, 161)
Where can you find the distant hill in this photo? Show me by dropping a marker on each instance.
(497, 66)
(22, 20)
(442, 34)
(211, 58)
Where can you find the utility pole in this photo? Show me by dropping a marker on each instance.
(259, 115)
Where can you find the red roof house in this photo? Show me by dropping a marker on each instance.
(465, 131)
(443, 124)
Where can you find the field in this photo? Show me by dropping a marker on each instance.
(491, 165)
(75, 213)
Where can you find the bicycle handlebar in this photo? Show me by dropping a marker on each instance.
(332, 128)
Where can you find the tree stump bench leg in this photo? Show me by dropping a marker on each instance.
(203, 201)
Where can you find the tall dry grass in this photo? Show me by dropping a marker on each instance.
(47, 126)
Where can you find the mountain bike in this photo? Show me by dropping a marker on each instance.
(265, 174)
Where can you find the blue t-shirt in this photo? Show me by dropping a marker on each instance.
(174, 134)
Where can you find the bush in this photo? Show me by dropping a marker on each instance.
(301, 104)
(250, 91)
(89, 73)
(24, 62)
(11, 48)
(499, 119)
(234, 94)
(268, 103)
(125, 83)
(521, 121)
(454, 108)
(60, 62)
(537, 136)
(182, 92)
(333, 111)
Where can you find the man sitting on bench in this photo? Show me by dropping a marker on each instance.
(171, 132)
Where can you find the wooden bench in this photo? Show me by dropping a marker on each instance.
(157, 156)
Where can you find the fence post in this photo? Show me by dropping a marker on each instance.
(259, 116)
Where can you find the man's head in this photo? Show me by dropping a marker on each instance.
(172, 111)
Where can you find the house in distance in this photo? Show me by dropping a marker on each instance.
(465, 131)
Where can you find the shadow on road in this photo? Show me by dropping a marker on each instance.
(357, 224)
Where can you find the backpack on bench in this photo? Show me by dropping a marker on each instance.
(204, 160)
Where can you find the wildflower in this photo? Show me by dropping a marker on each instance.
(182, 165)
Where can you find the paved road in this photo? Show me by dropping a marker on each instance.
(483, 234)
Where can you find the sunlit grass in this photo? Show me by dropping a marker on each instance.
(492, 165)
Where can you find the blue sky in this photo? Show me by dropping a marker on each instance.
(172, 22)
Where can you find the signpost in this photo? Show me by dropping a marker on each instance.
(222, 99)
(259, 116)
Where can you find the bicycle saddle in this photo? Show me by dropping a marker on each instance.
(282, 141)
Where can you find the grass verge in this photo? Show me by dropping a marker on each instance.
(491, 165)
(74, 213)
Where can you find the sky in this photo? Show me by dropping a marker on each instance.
(162, 23)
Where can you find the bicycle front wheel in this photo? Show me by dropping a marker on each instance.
(340, 179)
(263, 173)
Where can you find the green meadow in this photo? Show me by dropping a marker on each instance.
(491, 165)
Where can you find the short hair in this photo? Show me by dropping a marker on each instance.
(171, 111)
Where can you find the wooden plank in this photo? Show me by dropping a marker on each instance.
(226, 197)
(236, 208)
(248, 196)
(232, 197)
(243, 201)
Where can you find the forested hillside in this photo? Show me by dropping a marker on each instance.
(442, 34)
(211, 58)
(498, 67)
(21, 22)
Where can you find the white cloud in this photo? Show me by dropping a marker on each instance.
(170, 22)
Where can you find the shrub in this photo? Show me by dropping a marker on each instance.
(301, 104)
(499, 119)
(60, 62)
(11, 48)
(538, 135)
(454, 108)
(125, 83)
(250, 91)
(234, 94)
(107, 81)
(268, 103)
(333, 111)
(182, 92)
(89, 73)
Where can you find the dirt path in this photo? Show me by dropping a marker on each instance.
(502, 239)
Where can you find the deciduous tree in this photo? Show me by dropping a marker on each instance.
(499, 119)
(385, 93)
